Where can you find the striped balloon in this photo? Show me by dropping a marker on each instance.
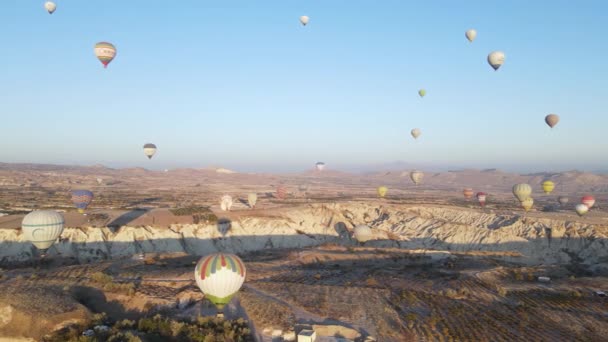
(81, 199)
(105, 52)
(481, 197)
(468, 193)
(42, 228)
(281, 192)
(220, 276)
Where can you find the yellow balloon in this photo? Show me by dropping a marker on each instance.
(382, 191)
(548, 186)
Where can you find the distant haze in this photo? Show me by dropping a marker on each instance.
(243, 85)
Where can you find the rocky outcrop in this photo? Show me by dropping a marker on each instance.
(537, 240)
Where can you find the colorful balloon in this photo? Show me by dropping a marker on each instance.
(581, 209)
(362, 233)
(220, 276)
(416, 133)
(304, 20)
(471, 34)
(252, 199)
(149, 150)
(552, 120)
(422, 92)
(588, 200)
(496, 59)
(42, 228)
(468, 193)
(50, 7)
(382, 191)
(481, 197)
(522, 191)
(82, 199)
(416, 177)
(527, 204)
(105, 52)
(548, 186)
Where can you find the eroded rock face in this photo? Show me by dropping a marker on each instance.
(32, 312)
(549, 240)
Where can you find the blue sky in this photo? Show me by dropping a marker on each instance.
(242, 84)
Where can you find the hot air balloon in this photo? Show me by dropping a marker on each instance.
(105, 52)
(548, 186)
(522, 191)
(50, 7)
(481, 197)
(588, 200)
(304, 20)
(416, 177)
(416, 133)
(320, 166)
(42, 228)
(563, 200)
(99, 181)
(527, 204)
(81, 199)
(252, 199)
(302, 187)
(382, 191)
(468, 193)
(581, 209)
(362, 233)
(149, 150)
(471, 34)
(226, 203)
(422, 92)
(496, 59)
(552, 120)
(281, 192)
(220, 276)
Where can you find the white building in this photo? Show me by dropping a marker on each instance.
(307, 335)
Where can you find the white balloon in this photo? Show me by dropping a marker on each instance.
(362, 233)
(581, 209)
(416, 133)
(304, 20)
(496, 59)
(471, 34)
(226, 203)
(42, 228)
(252, 199)
(50, 6)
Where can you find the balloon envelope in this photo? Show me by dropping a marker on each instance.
(496, 59)
(220, 276)
(149, 150)
(226, 203)
(320, 166)
(281, 192)
(81, 199)
(105, 52)
(588, 200)
(468, 193)
(548, 186)
(416, 133)
(422, 92)
(252, 199)
(563, 200)
(522, 191)
(481, 197)
(304, 20)
(416, 177)
(552, 120)
(382, 191)
(362, 233)
(50, 7)
(42, 228)
(581, 209)
(471, 34)
(527, 203)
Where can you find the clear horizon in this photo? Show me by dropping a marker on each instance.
(246, 87)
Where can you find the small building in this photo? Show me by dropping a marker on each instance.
(307, 335)
(600, 293)
(544, 279)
